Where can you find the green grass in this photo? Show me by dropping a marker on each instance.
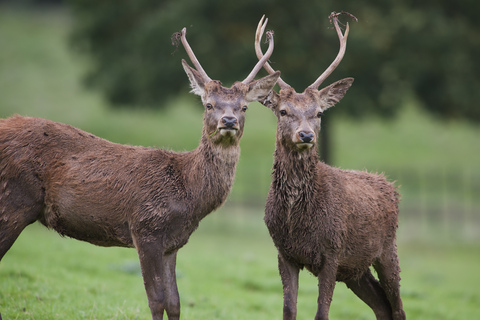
(228, 270)
(413, 140)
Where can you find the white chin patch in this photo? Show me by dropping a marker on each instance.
(228, 132)
(304, 145)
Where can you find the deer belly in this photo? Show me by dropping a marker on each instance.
(88, 220)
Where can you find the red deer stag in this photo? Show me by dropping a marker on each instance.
(335, 223)
(109, 194)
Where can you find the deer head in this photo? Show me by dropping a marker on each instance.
(225, 107)
(299, 114)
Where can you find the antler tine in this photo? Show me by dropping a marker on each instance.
(258, 50)
(192, 56)
(262, 61)
(341, 52)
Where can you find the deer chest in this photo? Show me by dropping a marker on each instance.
(302, 229)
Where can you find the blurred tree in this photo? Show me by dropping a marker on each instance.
(34, 3)
(398, 51)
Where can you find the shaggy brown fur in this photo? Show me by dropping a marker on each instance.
(109, 194)
(335, 223)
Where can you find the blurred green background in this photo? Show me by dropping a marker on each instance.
(108, 67)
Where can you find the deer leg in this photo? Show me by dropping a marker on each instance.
(158, 271)
(20, 205)
(172, 301)
(388, 270)
(369, 290)
(289, 275)
(12, 222)
(326, 285)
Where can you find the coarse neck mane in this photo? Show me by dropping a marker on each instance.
(212, 171)
(224, 156)
(294, 172)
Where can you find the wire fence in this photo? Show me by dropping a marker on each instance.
(445, 202)
(434, 203)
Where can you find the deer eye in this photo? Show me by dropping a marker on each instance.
(283, 113)
(319, 114)
(244, 108)
(209, 106)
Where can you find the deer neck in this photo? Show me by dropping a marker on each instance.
(294, 173)
(222, 158)
(212, 171)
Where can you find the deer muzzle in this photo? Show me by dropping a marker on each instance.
(229, 126)
(305, 139)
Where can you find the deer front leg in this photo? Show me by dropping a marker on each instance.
(172, 301)
(289, 275)
(326, 285)
(158, 271)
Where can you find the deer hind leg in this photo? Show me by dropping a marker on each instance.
(369, 291)
(17, 210)
(388, 270)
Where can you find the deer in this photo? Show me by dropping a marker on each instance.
(109, 194)
(335, 223)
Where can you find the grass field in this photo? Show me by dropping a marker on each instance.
(228, 269)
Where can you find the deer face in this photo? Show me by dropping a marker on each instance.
(299, 118)
(299, 115)
(224, 112)
(225, 107)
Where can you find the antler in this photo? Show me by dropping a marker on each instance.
(261, 63)
(260, 56)
(194, 59)
(202, 72)
(343, 46)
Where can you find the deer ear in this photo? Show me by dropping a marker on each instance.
(331, 95)
(259, 89)
(196, 81)
(271, 100)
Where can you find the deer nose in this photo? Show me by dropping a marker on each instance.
(229, 122)
(306, 137)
